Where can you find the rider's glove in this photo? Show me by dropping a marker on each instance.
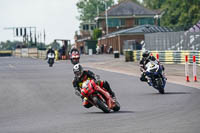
(142, 69)
(78, 94)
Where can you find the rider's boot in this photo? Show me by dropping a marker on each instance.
(107, 87)
(85, 103)
(164, 76)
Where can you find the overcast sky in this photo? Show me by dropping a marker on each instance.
(57, 17)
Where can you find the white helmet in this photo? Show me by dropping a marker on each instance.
(78, 70)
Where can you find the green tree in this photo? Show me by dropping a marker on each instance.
(136, 1)
(96, 34)
(153, 4)
(89, 9)
(178, 14)
(181, 14)
(10, 45)
(55, 45)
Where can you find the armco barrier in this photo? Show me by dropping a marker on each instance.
(171, 57)
(30, 52)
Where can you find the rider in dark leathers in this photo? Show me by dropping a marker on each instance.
(50, 50)
(146, 57)
(82, 75)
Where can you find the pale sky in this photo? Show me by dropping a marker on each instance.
(57, 17)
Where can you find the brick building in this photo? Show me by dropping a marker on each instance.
(124, 15)
(125, 21)
(118, 38)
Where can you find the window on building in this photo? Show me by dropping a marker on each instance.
(143, 21)
(83, 27)
(92, 27)
(122, 22)
(136, 21)
(114, 22)
(86, 27)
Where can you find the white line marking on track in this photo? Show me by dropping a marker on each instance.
(11, 66)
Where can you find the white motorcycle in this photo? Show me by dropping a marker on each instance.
(154, 72)
(51, 58)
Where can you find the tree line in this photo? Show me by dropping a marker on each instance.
(12, 45)
(179, 14)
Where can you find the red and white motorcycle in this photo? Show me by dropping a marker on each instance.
(98, 96)
(75, 56)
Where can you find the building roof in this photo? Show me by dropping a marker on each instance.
(141, 29)
(128, 8)
(84, 39)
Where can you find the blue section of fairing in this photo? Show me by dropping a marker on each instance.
(156, 73)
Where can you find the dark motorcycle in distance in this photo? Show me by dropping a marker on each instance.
(154, 73)
(51, 58)
(75, 56)
(99, 97)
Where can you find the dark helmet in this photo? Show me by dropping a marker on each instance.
(78, 70)
(145, 54)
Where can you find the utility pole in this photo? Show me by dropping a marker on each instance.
(106, 17)
(44, 36)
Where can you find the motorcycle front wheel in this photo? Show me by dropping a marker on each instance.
(101, 105)
(160, 86)
(117, 106)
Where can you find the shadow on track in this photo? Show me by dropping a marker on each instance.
(176, 93)
(170, 93)
(118, 112)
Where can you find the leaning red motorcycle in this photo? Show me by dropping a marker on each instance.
(99, 97)
(75, 56)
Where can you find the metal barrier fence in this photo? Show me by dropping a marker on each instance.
(172, 41)
(30, 52)
(170, 57)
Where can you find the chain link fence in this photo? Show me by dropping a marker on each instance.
(172, 41)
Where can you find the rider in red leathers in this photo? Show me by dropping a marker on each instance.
(83, 75)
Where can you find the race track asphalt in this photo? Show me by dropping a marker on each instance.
(35, 98)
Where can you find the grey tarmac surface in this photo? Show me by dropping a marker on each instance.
(35, 98)
(174, 72)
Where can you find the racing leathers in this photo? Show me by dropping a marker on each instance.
(50, 51)
(143, 63)
(87, 74)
